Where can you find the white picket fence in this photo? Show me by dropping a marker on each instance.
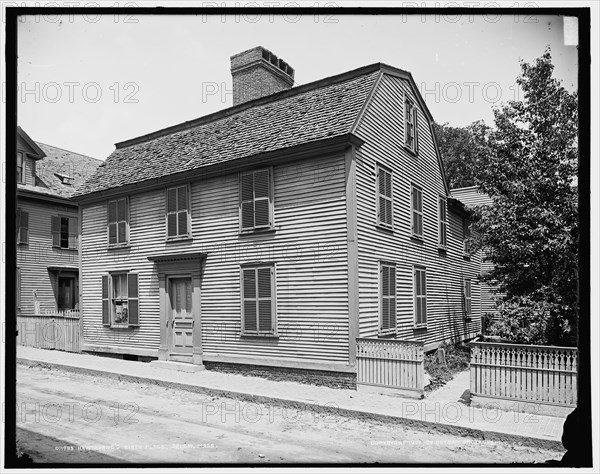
(542, 375)
(392, 364)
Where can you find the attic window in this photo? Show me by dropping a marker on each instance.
(64, 179)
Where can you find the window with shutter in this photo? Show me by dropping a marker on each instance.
(258, 301)
(120, 300)
(467, 297)
(118, 222)
(256, 202)
(417, 211)
(65, 232)
(178, 218)
(420, 292)
(410, 125)
(385, 206)
(387, 285)
(22, 227)
(442, 222)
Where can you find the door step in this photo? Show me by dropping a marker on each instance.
(180, 366)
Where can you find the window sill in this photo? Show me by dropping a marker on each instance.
(260, 336)
(417, 238)
(266, 230)
(120, 326)
(467, 256)
(387, 334)
(184, 238)
(65, 248)
(420, 326)
(22, 243)
(384, 228)
(442, 249)
(414, 153)
(119, 246)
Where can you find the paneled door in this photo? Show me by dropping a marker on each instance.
(181, 322)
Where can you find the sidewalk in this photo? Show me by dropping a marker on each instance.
(441, 410)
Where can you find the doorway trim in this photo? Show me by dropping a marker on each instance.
(174, 265)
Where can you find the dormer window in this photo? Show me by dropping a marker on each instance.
(64, 179)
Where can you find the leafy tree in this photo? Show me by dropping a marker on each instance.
(461, 149)
(530, 233)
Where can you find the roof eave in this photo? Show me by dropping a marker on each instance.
(315, 148)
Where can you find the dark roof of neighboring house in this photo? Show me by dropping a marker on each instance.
(471, 196)
(320, 110)
(60, 172)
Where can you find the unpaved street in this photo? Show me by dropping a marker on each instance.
(69, 417)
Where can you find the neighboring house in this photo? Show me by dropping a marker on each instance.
(279, 230)
(471, 197)
(47, 226)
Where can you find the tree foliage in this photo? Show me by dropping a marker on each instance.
(530, 233)
(461, 150)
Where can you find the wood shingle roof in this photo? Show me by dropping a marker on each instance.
(320, 110)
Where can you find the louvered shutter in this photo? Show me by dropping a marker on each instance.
(55, 228)
(133, 299)
(385, 308)
(249, 299)
(73, 232)
(247, 200)
(265, 306)
(416, 129)
(172, 212)
(112, 222)
(105, 302)
(261, 199)
(424, 297)
(23, 226)
(182, 210)
(392, 294)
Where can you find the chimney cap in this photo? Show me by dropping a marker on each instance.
(256, 54)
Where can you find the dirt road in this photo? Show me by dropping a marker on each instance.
(70, 417)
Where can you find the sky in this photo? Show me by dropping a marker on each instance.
(88, 82)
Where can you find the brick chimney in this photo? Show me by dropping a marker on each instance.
(257, 73)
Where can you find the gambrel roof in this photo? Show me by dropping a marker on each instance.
(321, 110)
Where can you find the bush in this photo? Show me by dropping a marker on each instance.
(457, 359)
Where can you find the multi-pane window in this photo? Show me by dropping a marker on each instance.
(120, 302)
(410, 125)
(64, 232)
(467, 297)
(466, 238)
(118, 222)
(258, 301)
(385, 210)
(256, 202)
(417, 211)
(178, 221)
(20, 161)
(442, 222)
(387, 300)
(420, 292)
(22, 227)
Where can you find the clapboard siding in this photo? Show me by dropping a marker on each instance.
(34, 258)
(308, 248)
(382, 128)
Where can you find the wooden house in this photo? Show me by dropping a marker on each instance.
(472, 197)
(47, 226)
(277, 231)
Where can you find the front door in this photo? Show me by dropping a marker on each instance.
(66, 293)
(181, 322)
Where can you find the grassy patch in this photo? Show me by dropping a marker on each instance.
(457, 360)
